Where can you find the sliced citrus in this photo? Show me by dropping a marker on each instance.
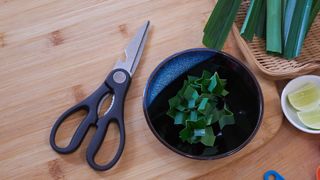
(305, 98)
(311, 118)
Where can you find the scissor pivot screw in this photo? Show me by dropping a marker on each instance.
(119, 77)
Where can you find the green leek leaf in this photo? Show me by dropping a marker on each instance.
(185, 133)
(203, 104)
(190, 93)
(314, 12)
(193, 116)
(274, 26)
(224, 92)
(172, 113)
(298, 27)
(251, 20)
(199, 124)
(210, 119)
(180, 107)
(288, 14)
(260, 29)
(226, 119)
(209, 138)
(199, 132)
(179, 119)
(220, 22)
(191, 103)
(215, 85)
(193, 139)
(191, 79)
(207, 110)
(174, 102)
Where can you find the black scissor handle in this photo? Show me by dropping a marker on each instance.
(115, 114)
(97, 141)
(90, 104)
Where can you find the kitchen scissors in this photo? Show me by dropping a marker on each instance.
(116, 85)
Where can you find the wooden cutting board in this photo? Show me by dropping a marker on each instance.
(55, 53)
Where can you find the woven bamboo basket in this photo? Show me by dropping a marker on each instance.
(274, 67)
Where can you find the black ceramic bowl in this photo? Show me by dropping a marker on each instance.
(245, 101)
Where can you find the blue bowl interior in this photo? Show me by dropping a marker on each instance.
(171, 70)
(245, 100)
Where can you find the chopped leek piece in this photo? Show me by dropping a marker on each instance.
(208, 138)
(201, 111)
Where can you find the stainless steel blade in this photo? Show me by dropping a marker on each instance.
(134, 50)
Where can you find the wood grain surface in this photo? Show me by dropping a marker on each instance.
(293, 153)
(55, 53)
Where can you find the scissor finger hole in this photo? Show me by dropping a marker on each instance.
(105, 104)
(68, 128)
(110, 145)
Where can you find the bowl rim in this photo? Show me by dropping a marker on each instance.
(235, 60)
(285, 107)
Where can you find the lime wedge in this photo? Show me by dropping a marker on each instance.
(305, 98)
(311, 118)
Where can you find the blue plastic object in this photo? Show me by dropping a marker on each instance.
(273, 173)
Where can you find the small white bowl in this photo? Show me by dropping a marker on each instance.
(288, 110)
